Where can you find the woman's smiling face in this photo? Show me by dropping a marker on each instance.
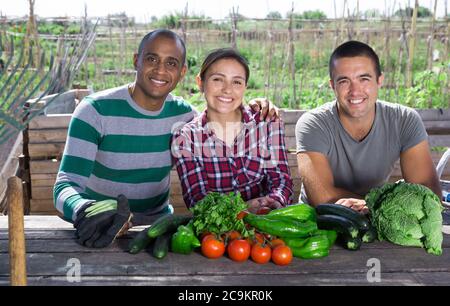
(224, 86)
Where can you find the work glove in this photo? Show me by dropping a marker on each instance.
(98, 224)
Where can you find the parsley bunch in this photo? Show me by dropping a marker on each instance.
(217, 213)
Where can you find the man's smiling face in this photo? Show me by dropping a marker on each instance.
(355, 84)
(160, 66)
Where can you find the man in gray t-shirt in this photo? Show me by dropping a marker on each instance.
(349, 146)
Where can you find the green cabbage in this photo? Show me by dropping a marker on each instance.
(407, 214)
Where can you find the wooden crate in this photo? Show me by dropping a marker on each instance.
(47, 136)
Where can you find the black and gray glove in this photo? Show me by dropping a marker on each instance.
(99, 223)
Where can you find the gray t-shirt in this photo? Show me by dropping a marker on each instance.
(360, 166)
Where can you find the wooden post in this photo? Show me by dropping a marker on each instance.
(431, 38)
(336, 34)
(234, 21)
(412, 44)
(446, 51)
(291, 57)
(17, 254)
(387, 52)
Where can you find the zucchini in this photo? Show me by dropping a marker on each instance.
(339, 224)
(161, 245)
(370, 235)
(350, 243)
(167, 223)
(139, 242)
(339, 210)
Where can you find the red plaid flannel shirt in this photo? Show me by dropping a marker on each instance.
(255, 166)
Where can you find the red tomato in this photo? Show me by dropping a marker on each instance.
(233, 235)
(239, 250)
(276, 242)
(282, 255)
(208, 236)
(261, 253)
(212, 248)
(259, 238)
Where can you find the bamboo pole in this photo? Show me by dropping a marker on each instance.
(431, 39)
(234, 21)
(412, 44)
(342, 23)
(293, 101)
(336, 35)
(357, 21)
(447, 50)
(184, 23)
(269, 56)
(31, 37)
(17, 258)
(387, 51)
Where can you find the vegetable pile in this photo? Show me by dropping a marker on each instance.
(407, 214)
(222, 225)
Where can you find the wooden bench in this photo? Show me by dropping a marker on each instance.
(47, 136)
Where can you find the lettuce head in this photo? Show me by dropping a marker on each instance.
(407, 214)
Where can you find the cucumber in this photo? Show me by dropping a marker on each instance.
(161, 245)
(339, 210)
(370, 235)
(339, 224)
(352, 244)
(167, 223)
(139, 242)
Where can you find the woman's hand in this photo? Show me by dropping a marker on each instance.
(262, 205)
(267, 109)
(355, 204)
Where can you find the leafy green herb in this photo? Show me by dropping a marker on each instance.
(217, 213)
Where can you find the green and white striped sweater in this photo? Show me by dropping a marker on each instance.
(116, 147)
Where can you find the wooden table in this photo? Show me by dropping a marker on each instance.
(52, 253)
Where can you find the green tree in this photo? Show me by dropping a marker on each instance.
(372, 13)
(422, 12)
(274, 15)
(316, 14)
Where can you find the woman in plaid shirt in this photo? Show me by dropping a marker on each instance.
(227, 148)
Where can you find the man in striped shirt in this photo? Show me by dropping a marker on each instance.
(118, 146)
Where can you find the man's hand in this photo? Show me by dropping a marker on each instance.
(98, 224)
(267, 110)
(355, 204)
(262, 205)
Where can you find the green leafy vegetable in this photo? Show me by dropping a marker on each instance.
(217, 213)
(407, 214)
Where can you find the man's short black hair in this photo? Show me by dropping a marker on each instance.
(354, 48)
(166, 33)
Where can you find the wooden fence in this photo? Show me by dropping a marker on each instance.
(47, 135)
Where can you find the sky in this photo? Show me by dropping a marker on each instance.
(142, 10)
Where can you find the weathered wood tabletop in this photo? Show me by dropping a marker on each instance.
(52, 255)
